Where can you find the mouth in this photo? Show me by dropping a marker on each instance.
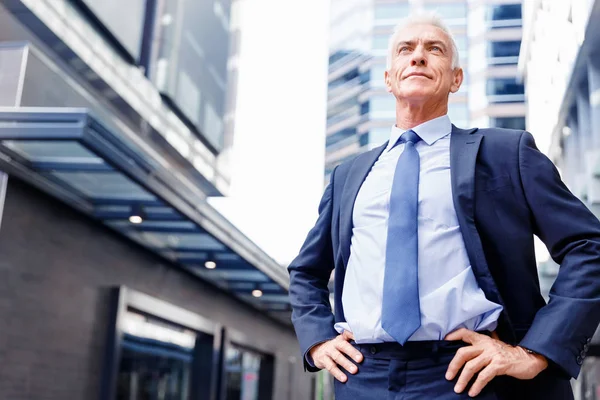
(417, 74)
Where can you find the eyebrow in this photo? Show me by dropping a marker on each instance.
(427, 43)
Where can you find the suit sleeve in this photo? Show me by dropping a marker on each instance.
(562, 329)
(309, 275)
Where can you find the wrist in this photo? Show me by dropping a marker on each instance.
(535, 356)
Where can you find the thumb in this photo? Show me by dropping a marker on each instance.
(347, 335)
(461, 334)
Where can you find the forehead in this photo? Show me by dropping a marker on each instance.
(421, 32)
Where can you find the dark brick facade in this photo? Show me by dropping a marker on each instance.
(56, 266)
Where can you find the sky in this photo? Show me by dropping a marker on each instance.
(279, 140)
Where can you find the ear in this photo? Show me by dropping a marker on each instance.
(388, 81)
(457, 79)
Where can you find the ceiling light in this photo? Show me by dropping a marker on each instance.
(257, 293)
(210, 265)
(135, 219)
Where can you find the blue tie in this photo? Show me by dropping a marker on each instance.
(401, 315)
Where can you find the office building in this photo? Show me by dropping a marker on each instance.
(118, 279)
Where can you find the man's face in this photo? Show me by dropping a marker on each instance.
(421, 67)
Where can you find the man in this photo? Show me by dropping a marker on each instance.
(431, 238)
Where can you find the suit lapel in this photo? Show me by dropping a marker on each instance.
(464, 147)
(356, 176)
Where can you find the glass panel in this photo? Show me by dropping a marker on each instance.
(164, 241)
(124, 20)
(504, 12)
(502, 86)
(110, 185)
(156, 360)
(508, 122)
(153, 224)
(11, 63)
(242, 373)
(191, 66)
(45, 150)
(504, 49)
(391, 11)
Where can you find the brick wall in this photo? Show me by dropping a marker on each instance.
(55, 268)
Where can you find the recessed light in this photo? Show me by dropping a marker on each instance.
(257, 293)
(210, 264)
(135, 219)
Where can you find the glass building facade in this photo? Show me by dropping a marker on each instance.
(361, 112)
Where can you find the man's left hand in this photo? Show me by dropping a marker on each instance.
(490, 357)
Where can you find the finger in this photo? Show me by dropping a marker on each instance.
(347, 335)
(340, 359)
(463, 355)
(463, 334)
(471, 368)
(332, 368)
(484, 377)
(349, 350)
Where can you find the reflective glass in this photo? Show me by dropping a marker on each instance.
(508, 122)
(156, 359)
(191, 67)
(124, 20)
(104, 185)
(242, 370)
(509, 48)
(504, 12)
(504, 86)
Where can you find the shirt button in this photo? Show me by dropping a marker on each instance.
(373, 350)
(579, 360)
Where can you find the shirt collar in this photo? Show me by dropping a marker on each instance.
(430, 131)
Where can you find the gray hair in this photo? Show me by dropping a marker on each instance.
(423, 18)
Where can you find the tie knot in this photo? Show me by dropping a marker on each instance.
(409, 136)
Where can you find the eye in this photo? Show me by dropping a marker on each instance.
(403, 49)
(435, 48)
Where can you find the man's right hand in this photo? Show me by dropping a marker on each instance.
(332, 354)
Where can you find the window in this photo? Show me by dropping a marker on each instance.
(391, 11)
(246, 372)
(505, 49)
(504, 86)
(508, 122)
(504, 16)
(504, 12)
(190, 69)
(448, 11)
(123, 19)
(158, 359)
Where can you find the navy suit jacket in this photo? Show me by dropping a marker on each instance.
(505, 191)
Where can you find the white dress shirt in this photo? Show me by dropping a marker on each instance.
(449, 295)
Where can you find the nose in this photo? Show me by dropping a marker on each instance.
(418, 58)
